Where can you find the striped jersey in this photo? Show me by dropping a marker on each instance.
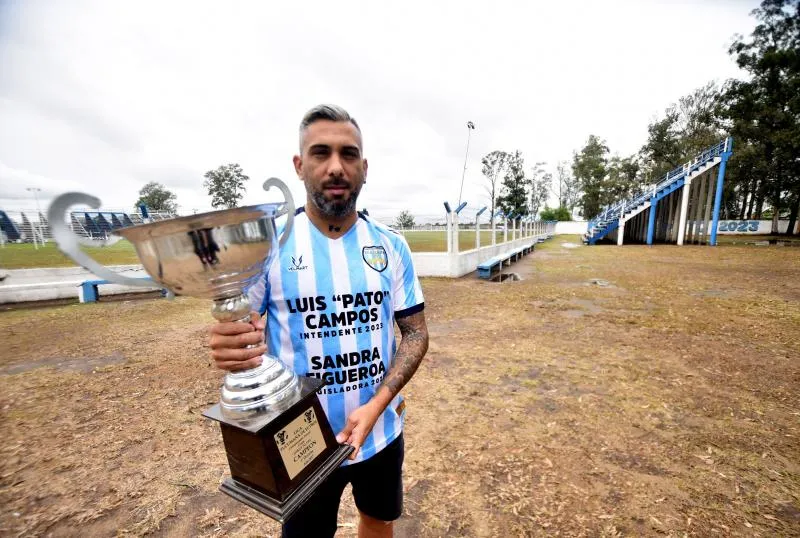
(331, 305)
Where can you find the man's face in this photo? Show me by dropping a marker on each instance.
(332, 167)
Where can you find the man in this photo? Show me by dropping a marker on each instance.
(335, 290)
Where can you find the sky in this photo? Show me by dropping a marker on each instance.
(103, 97)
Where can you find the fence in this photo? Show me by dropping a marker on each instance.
(455, 262)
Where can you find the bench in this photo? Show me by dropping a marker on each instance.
(518, 253)
(88, 292)
(487, 269)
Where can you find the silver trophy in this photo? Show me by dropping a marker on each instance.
(277, 437)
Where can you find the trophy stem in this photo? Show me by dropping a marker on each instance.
(234, 308)
(268, 386)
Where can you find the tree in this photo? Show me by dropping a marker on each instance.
(540, 185)
(589, 168)
(748, 173)
(514, 193)
(663, 152)
(765, 110)
(699, 119)
(569, 189)
(559, 213)
(404, 220)
(623, 179)
(225, 185)
(687, 128)
(157, 198)
(494, 167)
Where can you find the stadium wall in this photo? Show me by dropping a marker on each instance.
(571, 227)
(21, 285)
(751, 227)
(456, 265)
(726, 227)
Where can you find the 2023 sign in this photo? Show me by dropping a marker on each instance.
(741, 226)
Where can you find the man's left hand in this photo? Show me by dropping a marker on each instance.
(358, 426)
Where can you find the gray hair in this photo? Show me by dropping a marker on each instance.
(330, 113)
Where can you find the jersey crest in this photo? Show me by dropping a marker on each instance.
(376, 257)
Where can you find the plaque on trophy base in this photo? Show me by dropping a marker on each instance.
(278, 458)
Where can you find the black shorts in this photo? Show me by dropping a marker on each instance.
(377, 490)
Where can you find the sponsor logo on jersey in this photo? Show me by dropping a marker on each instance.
(297, 265)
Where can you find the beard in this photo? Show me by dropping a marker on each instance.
(336, 208)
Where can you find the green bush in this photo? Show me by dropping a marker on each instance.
(560, 213)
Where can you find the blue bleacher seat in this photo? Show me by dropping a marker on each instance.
(9, 227)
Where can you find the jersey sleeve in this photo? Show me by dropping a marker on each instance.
(407, 291)
(258, 292)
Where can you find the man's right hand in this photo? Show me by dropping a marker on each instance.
(229, 341)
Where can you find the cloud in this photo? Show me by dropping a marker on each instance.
(14, 185)
(101, 97)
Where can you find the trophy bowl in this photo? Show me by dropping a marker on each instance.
(212, 255)
(277, 438)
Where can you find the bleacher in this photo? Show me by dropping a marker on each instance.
(9, 227)
(610, 218)
(45, 228)
(25, 226)
(92, 227)
(76, 226)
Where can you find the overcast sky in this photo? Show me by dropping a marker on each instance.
(103, 97)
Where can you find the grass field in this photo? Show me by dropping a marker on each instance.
(663, 403)
(421, 241)
(22, 256)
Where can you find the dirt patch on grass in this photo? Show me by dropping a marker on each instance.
(664, 404)
(81, 364)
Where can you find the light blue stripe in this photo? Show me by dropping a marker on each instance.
(256, 293)
(263, 308)
(391, 422)
(358, 283)
(267, 287)
(271, 326)
(290, 287)
(262, 311)
(408, 276)
(330, 346)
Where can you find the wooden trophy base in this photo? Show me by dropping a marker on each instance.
(278, 457)
(282, 510)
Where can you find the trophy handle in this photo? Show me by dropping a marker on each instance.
(275, 182)
(68, 241)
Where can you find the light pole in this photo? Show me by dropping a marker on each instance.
(470, 128)
(36, 191)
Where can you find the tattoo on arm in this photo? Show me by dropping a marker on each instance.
(412, 348)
